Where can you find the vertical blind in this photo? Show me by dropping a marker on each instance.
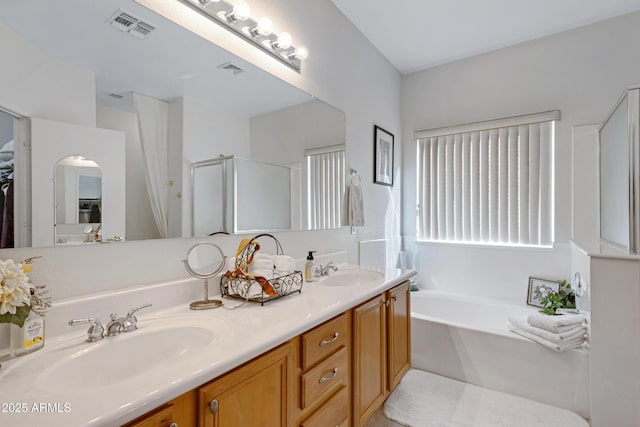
(489, 182)
(325, 186)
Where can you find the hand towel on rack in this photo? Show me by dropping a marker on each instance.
(570, 345)
(557, 324)
(353, 210)
(556, 338)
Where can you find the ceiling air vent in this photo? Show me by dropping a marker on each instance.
(141, 30)
(115, 95)
(228, 66)
(126, 22)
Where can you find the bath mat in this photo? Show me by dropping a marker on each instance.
(423, 399)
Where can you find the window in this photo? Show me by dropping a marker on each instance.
(325, 186)
(488, 182)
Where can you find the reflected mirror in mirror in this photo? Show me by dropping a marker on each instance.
(78, 201)
(614, 176)
(217, 103)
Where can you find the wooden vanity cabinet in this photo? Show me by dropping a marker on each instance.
(399, 333)
(323, 375)
(369, 358)
(258, 393)
(179, 412)
(381, 349)
(336, 374)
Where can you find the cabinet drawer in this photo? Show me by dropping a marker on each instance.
(335, 412)
(324, 340)
(325, 377)
(162, 417)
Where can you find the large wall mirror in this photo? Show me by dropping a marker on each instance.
(218, 103)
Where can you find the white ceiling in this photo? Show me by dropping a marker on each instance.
(171, 62)
(418, 34)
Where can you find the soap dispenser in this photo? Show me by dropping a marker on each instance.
(309, 267)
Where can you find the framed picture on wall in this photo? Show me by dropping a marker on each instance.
(382, 156)
(539, 288)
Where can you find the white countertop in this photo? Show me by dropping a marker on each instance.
(249, 331)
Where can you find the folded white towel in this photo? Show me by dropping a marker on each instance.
(556, 338)
(557, 324)
(569, 345)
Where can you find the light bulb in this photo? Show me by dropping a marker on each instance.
(284, 41)
(241, 10)
(264, 27)
(301, 53)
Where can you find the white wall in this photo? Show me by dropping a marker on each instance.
(580, 72)
(32, 84)
(140, 223)
(283, 135)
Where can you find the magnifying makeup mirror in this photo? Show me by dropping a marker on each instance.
(204, 261)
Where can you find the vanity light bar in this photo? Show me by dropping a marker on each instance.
(237, 18)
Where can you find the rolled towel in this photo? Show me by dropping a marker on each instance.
(556, 338)
(284, 264)
(231, 263)
(261, 264)
(569, 345)
(262, 257)
(255, 290)
(266, 273)
(557, 324)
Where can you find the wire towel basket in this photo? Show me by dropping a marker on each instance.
(239, 284)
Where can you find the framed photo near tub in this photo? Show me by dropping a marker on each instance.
(540, 288)
(382, 156)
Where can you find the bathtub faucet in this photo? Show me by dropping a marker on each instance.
(324, 270)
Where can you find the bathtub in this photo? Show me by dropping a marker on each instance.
(465, 338)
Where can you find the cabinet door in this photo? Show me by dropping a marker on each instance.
(257, 394)
(370, 359)
(398, 326)
(180, 412)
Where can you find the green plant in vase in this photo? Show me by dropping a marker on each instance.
(563, 298)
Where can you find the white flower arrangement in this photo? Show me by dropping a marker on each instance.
(18, 296)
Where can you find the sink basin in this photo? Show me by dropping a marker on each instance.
(163, 346)
(127, 356)
(352, 277)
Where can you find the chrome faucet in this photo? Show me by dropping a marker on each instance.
(324, 269)
(124, 324)
(95, 331)
(117, 324)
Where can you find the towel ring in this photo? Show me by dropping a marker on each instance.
(355, 174)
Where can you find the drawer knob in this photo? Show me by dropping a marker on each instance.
(325, 342)
(330, 377)
(214, 406)
(173, 425)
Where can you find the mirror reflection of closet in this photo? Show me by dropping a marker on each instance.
(78, 201)
(6, 180)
